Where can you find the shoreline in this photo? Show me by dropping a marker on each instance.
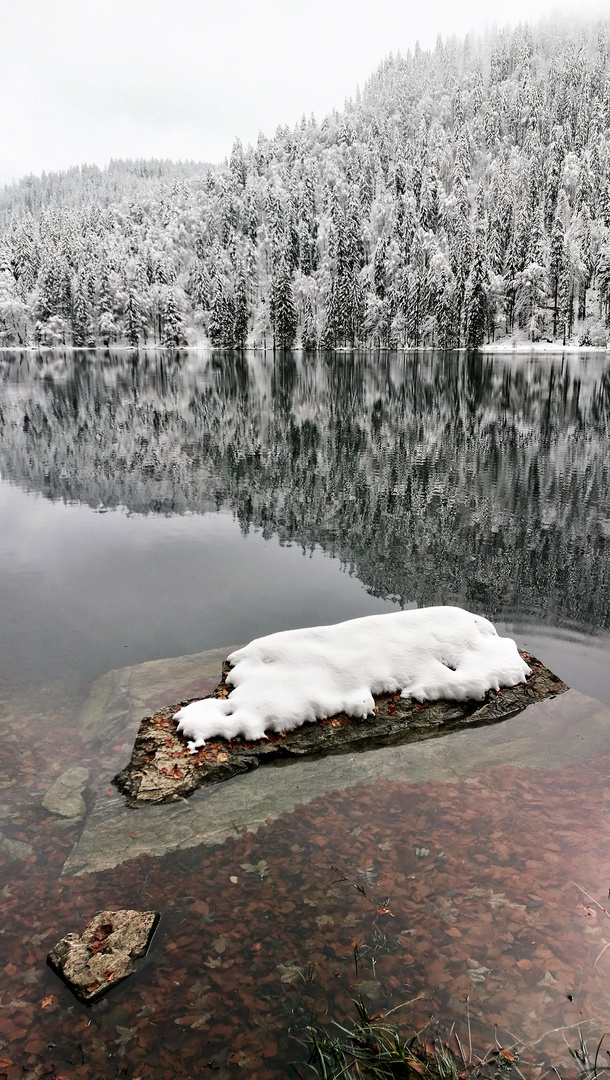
(505, 347)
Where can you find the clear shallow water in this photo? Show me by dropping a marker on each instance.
(148, 506)
(468, 853)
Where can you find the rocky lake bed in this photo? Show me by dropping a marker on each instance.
(254, 879)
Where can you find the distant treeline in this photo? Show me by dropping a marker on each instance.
(463, 196)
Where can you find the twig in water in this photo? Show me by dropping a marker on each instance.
(597, 904)
(552, 1031)
(592, 898)
(599, 956)
(344, 877)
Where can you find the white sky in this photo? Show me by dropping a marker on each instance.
(88, 80)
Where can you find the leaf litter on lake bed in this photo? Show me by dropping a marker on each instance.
(286, 927)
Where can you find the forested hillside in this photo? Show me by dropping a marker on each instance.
(463, 197)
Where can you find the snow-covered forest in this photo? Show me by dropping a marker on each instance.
(462, 197)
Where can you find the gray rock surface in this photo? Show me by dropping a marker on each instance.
(64, 796)
(103, 955)
(118, 700)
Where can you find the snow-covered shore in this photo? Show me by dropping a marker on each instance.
(508, 345)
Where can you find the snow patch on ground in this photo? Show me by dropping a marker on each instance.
(281, 681)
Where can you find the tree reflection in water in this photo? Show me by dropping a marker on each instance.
(434, 478)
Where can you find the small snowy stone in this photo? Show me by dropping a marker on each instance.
(284, 680)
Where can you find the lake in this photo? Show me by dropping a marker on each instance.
(164, 505)
(172, 504)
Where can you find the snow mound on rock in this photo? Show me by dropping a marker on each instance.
(281, 681)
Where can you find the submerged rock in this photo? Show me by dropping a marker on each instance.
(104, 954)
(64, 796)
(549, 734)
(162, 770)
(119, 699)
(14, 849)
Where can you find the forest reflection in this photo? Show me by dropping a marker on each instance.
(434, 478)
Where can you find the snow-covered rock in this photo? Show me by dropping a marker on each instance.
(281, 681)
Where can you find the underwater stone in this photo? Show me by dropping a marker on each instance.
(64, 796)
(14, 849)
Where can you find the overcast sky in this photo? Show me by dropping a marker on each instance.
(88, 80)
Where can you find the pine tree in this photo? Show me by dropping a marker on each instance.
(308, 333)
(332, 318)
(556, 267)
(240, 310)
(82, 331)
(173, 323)
(566, 298)
(284, 316)
(353, 300)
(237, 164)
(603, 283)
(26, 257)
(475, 299)
(199, 286)
(379, 267)
(221, 328)
(134, 316)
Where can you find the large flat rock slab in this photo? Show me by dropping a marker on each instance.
(161, 768)
(93, 962)
(549, 734)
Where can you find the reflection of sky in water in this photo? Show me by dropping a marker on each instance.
(85, 592)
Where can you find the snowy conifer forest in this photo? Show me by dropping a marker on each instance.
(463, 197)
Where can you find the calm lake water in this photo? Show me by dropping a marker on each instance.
(166, 505)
